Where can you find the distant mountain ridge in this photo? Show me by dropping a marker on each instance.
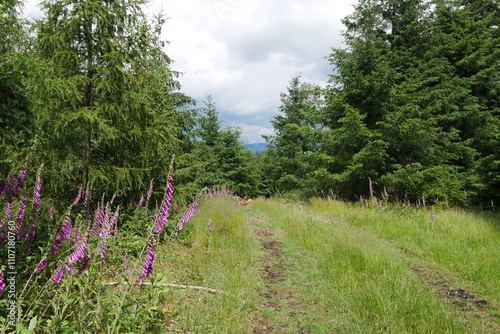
(256, 147)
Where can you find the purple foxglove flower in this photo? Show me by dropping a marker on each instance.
(114, 222)
(20, 217)
(87, 195)
(98, 219)
(76, 235)
(78, 196)
(141, 202)
(2, 283)
(433, 216)
(8, 185)
(112, 199)
(64, 235)
(188, 216)
(162, 218)
(106, 224)
(58, 275)
(85, 264)
(385, 193)
(20, 179)
(3, 236)
(41, 266)
(105, 232)
(37, 193)
(126, 260)
(150, 191)
(79, 251)
(148, 268)
(8, 210)
(370, 187)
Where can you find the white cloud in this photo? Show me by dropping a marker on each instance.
(253, 133)
(245, 52)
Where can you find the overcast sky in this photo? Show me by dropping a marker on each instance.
(244, 52)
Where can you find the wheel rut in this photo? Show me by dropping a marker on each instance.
(277, 296)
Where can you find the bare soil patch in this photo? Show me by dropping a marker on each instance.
(468, 303)
(276, 297)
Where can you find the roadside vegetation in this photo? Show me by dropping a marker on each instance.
(332, 267)
(125, 206)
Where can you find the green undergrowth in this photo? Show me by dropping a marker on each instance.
(463, 243)
(343, 269)
(359, 281)
(223, 259)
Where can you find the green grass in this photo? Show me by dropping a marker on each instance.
(361, 280)
(223, 259)
(462, 242)
(345, 269)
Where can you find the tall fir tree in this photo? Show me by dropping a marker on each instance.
(217, 157)
(295, 151)
(16, 126)
(107, 107)
(421, 75)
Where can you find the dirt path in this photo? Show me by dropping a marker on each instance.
(469, 304)
(278, 295)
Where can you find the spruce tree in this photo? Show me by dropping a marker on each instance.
(107, 106)
(16, 127)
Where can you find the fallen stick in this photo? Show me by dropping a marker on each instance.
(181, 286)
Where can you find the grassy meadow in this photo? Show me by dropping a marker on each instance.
(333, 267)
(275, 266)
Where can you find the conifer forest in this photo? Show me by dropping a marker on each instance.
(115, 183)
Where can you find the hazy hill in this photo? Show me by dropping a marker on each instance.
(256, 147)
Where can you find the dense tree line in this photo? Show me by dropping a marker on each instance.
(88, 92)
(413, 106)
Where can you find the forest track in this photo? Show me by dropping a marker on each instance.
(278, 296)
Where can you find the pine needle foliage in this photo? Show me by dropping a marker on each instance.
(107, 108)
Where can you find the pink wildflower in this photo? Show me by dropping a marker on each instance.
(20, 179)
(58, 275)
(78, 196)
(20, 216)
(2, 283)
(64, 235)
(188, 215)
(148, 267)
(85, 264)
(79, 251)
(42, 266)
(162, 219)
